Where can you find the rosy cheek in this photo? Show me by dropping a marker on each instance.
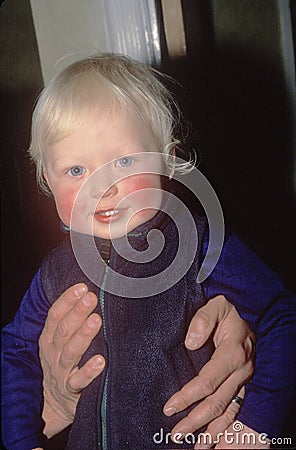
(64, 203)
(143, 196)
(139, 182)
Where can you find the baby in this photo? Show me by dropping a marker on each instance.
(104, 143)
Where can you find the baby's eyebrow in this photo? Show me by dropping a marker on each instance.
(61, 164)
(127, 151)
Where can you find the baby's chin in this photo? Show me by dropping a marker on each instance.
(107, 232)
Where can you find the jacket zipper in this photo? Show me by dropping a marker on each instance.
(105, 254)
(104, 398)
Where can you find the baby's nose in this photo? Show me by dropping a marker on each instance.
(100, 189)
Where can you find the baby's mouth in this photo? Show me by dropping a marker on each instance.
(109, 215)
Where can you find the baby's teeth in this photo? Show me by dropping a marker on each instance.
(108, 213)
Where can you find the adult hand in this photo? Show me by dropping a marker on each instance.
(69, 329)
(217, 383)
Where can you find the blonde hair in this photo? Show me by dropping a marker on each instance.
(64, 104)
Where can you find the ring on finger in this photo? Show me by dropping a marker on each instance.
(237, 399)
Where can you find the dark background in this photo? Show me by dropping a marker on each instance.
(236, 97)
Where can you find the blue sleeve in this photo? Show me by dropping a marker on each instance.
(22, 397)
(262, 300)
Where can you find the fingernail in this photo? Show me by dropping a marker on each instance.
(169, 411)
(192, 340)
(97, 362)
(88, 300)
(79, 290)
(93, 322)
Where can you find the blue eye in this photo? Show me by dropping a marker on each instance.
(76, 171)
(125, 161)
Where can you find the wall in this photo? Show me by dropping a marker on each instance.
(67, 31)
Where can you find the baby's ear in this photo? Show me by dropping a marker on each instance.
(173, 151)
(172, 161)
(45, 177)
(45, 184)
(44, 174)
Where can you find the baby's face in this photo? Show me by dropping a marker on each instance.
(106, 201)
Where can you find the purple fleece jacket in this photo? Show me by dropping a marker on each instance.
(142, 341)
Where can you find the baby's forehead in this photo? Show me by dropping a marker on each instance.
(90, 100)
(109, 130)
(74, 113)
